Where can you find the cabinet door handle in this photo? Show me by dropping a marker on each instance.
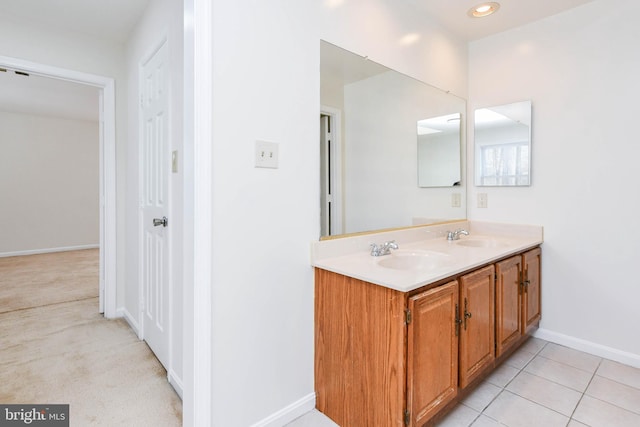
(467, 315)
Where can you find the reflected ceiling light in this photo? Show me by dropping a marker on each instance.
(483, 9)
(409, 39)
(486, 115)
(332, 4)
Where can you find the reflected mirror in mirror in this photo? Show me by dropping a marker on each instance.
(502, 141)
(439, 151)
(368, 149)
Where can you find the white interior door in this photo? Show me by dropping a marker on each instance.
(154, 165)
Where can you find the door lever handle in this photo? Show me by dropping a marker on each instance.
(160, 221)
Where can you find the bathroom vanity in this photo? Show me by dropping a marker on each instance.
(400, 338)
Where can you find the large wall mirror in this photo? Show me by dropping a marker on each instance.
(391, 147)
(502, 141)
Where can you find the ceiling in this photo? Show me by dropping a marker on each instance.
(114, 20)
(452, 14)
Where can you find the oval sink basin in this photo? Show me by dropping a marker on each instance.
(480, 243)
(413, 260)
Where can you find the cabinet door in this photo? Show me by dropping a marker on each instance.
(432, 352)
(531, 295)
(477, 308)
(508, 303)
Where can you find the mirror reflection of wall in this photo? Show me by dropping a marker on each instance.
(370, 165)
(439, 151)
(502, 141)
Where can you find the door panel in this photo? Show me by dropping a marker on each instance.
(508, 306)
(477, 308)
(531, 303)
(154, 162)
(432, 352)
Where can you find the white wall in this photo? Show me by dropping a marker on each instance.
(580, 70)
(49, 177)
(161, 21)
(439, 157)
(86, 54)
(266, 86)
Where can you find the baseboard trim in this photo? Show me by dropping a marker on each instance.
(133, 323)
(610, 353)
(289, 413)
(175, 382)
(48, 250)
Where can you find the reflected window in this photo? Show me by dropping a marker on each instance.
(502, 139)
(505, 164)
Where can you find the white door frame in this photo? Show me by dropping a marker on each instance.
(198, 227)
(335, 116)
(108, 301)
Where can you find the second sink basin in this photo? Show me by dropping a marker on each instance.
(480, 243)
(413, 260)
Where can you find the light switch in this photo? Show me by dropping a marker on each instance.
(266, 154)
(455, 200)
(483, 200)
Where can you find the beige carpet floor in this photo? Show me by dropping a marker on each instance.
(57, 351)
(37, 280)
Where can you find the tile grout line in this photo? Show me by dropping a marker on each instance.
(585, 392)
(504, 388)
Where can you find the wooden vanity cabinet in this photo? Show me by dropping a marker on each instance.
(395, 359)
(517, 298)
(477, 311)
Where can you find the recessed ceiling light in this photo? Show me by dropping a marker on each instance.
(483, 9)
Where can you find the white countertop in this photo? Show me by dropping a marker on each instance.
(351, 257)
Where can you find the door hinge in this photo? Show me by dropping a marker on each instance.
(407, 316)
(407, 417)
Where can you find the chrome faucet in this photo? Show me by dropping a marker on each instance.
(455, 235)
(384, 248)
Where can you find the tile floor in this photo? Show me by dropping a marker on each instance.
(543, 385)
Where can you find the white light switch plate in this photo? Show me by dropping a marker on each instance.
(483, 201)
(266, 154)
(455, 200)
